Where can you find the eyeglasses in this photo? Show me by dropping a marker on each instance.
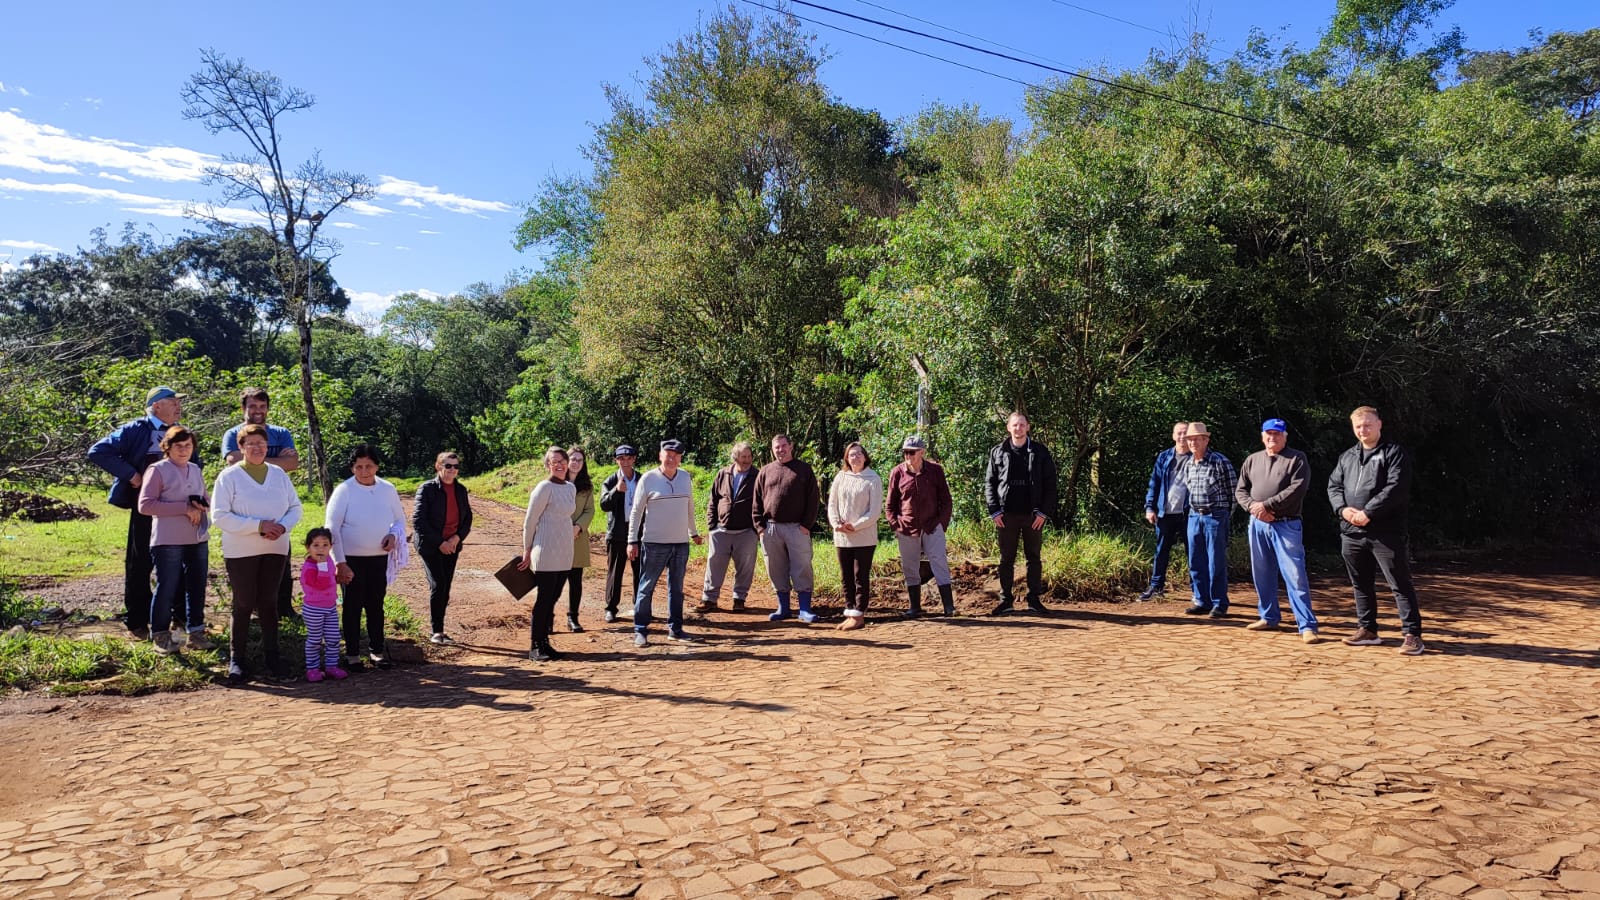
(449, 465)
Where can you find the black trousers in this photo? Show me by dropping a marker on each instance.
(616, 559)
(855, 574)
(136, 568)
(547, 590)
(1364, 556)
(254, 580)
(441, 570)
(574, 592)
(1017, 527)
(286, 591)
(365, 594)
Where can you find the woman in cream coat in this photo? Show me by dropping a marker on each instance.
(854, 503)
(547, 548)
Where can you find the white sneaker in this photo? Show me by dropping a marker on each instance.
(441, 638)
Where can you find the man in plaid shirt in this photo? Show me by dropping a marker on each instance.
(1211, 481)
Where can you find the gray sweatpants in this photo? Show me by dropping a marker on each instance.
(738, 547)
(913, 547)
(787, 548)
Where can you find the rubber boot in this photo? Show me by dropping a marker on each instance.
(806, 615)
(915, 590)
(783, 608)
(947, 596)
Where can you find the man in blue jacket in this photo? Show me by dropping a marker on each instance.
(1167, 511)
(126, 453)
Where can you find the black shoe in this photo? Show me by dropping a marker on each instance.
(682, 637)
(538, 654)
(1197, 610)
(379, 661)
(1219, 613)
(1151, 593)
(139, 632)
(1004, 606)
(738, 606)
(1036, 606)
(235, 673)
(611, 616)
(573, 626)
(355, 664)
(551, 652)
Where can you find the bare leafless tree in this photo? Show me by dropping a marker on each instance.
(261, 193)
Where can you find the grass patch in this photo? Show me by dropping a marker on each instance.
(103, 665)
(399, 620)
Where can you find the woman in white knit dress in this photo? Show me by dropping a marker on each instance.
(547, 548)
(364, 513)
(855, 501)
(254, 505)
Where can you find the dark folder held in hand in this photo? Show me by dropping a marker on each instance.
(518, 581)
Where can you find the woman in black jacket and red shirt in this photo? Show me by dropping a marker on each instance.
(441, 521)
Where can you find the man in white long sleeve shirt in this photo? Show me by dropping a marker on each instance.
(660, 527)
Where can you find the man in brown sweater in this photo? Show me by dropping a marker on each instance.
(787, 497)
(1272, 489)
(919, 508)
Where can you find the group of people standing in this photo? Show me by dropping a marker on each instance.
(651, 522)
(1193, 490)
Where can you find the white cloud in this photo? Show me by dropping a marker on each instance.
(136, 203)
(373, 243)
(110, 177)
(407, 201)
(372, 305)
(401, 247)
(430, 195)
(14, 89)
(36, 147)
(426, 231)
(30, 245)
(348, 225)
(363, 208)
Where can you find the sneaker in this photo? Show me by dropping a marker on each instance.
(1218, 612)
(573, 626)
(1364, 638)
(441, 639)
(1412, 646)
(379, 662)
(738, 605)
(197, 640)
(806, 616)
(163, 643)
(314, 675)
(1261, 625)
(1151, 593)
(537, 654)
(1036, 605)
(611, 616)
(355, 664)
(235, 673)
(1197, 610)
(639, 639)
(706, 606)
(336, 673)
(139, 632)
(686, 638)
(1310, 637)
(1001, 608)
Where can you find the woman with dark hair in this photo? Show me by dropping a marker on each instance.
(173, 493)
(547, 548)
(854, 503)
(254, 505)
(364, 513)
(582, 515)
(440, 522)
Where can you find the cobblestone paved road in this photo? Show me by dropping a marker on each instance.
(1098, 751)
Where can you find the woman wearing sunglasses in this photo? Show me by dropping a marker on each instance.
(441, 520)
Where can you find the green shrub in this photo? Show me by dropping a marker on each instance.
(98, 665)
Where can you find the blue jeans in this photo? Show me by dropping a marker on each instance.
(1168, 530)
(1277, 548)
(1208, 559)
(653, 559)
(180, 576)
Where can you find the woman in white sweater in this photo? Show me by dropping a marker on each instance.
(854, 503)
(364, 513)
(547, 534)
(254, 505)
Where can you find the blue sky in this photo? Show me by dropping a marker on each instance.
(459, 111)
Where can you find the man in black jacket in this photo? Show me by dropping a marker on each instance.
(1020, 491)
(441, 521)
(616, 497)
(1369, 490)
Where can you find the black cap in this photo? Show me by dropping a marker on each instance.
(626, 450)
(673, 444)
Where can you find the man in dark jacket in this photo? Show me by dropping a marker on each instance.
(730, 522)
(441, 521)
(616, 498)
(1369, 490)
(126, 453)
(1020, 492)
(1166, 509)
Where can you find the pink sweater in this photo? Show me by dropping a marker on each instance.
(321, 588)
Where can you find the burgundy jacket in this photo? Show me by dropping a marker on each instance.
(918, 503)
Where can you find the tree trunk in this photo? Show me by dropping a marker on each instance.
(319, 455)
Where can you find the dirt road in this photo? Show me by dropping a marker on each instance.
(1097, 751)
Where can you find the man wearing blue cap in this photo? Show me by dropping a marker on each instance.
(616, 498)
(1272, 488)
(126, 453)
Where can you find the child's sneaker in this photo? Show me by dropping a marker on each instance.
(314, 675)
(337, 673)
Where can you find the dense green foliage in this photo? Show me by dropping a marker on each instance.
(1385, 218)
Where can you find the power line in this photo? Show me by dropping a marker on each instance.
(906, 15)
(1096, 12)
(1156, 95)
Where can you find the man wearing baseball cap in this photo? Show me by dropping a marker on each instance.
(660, 527)
(616, 498)
(1272, 488)
(919, 508)
(126, 453)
